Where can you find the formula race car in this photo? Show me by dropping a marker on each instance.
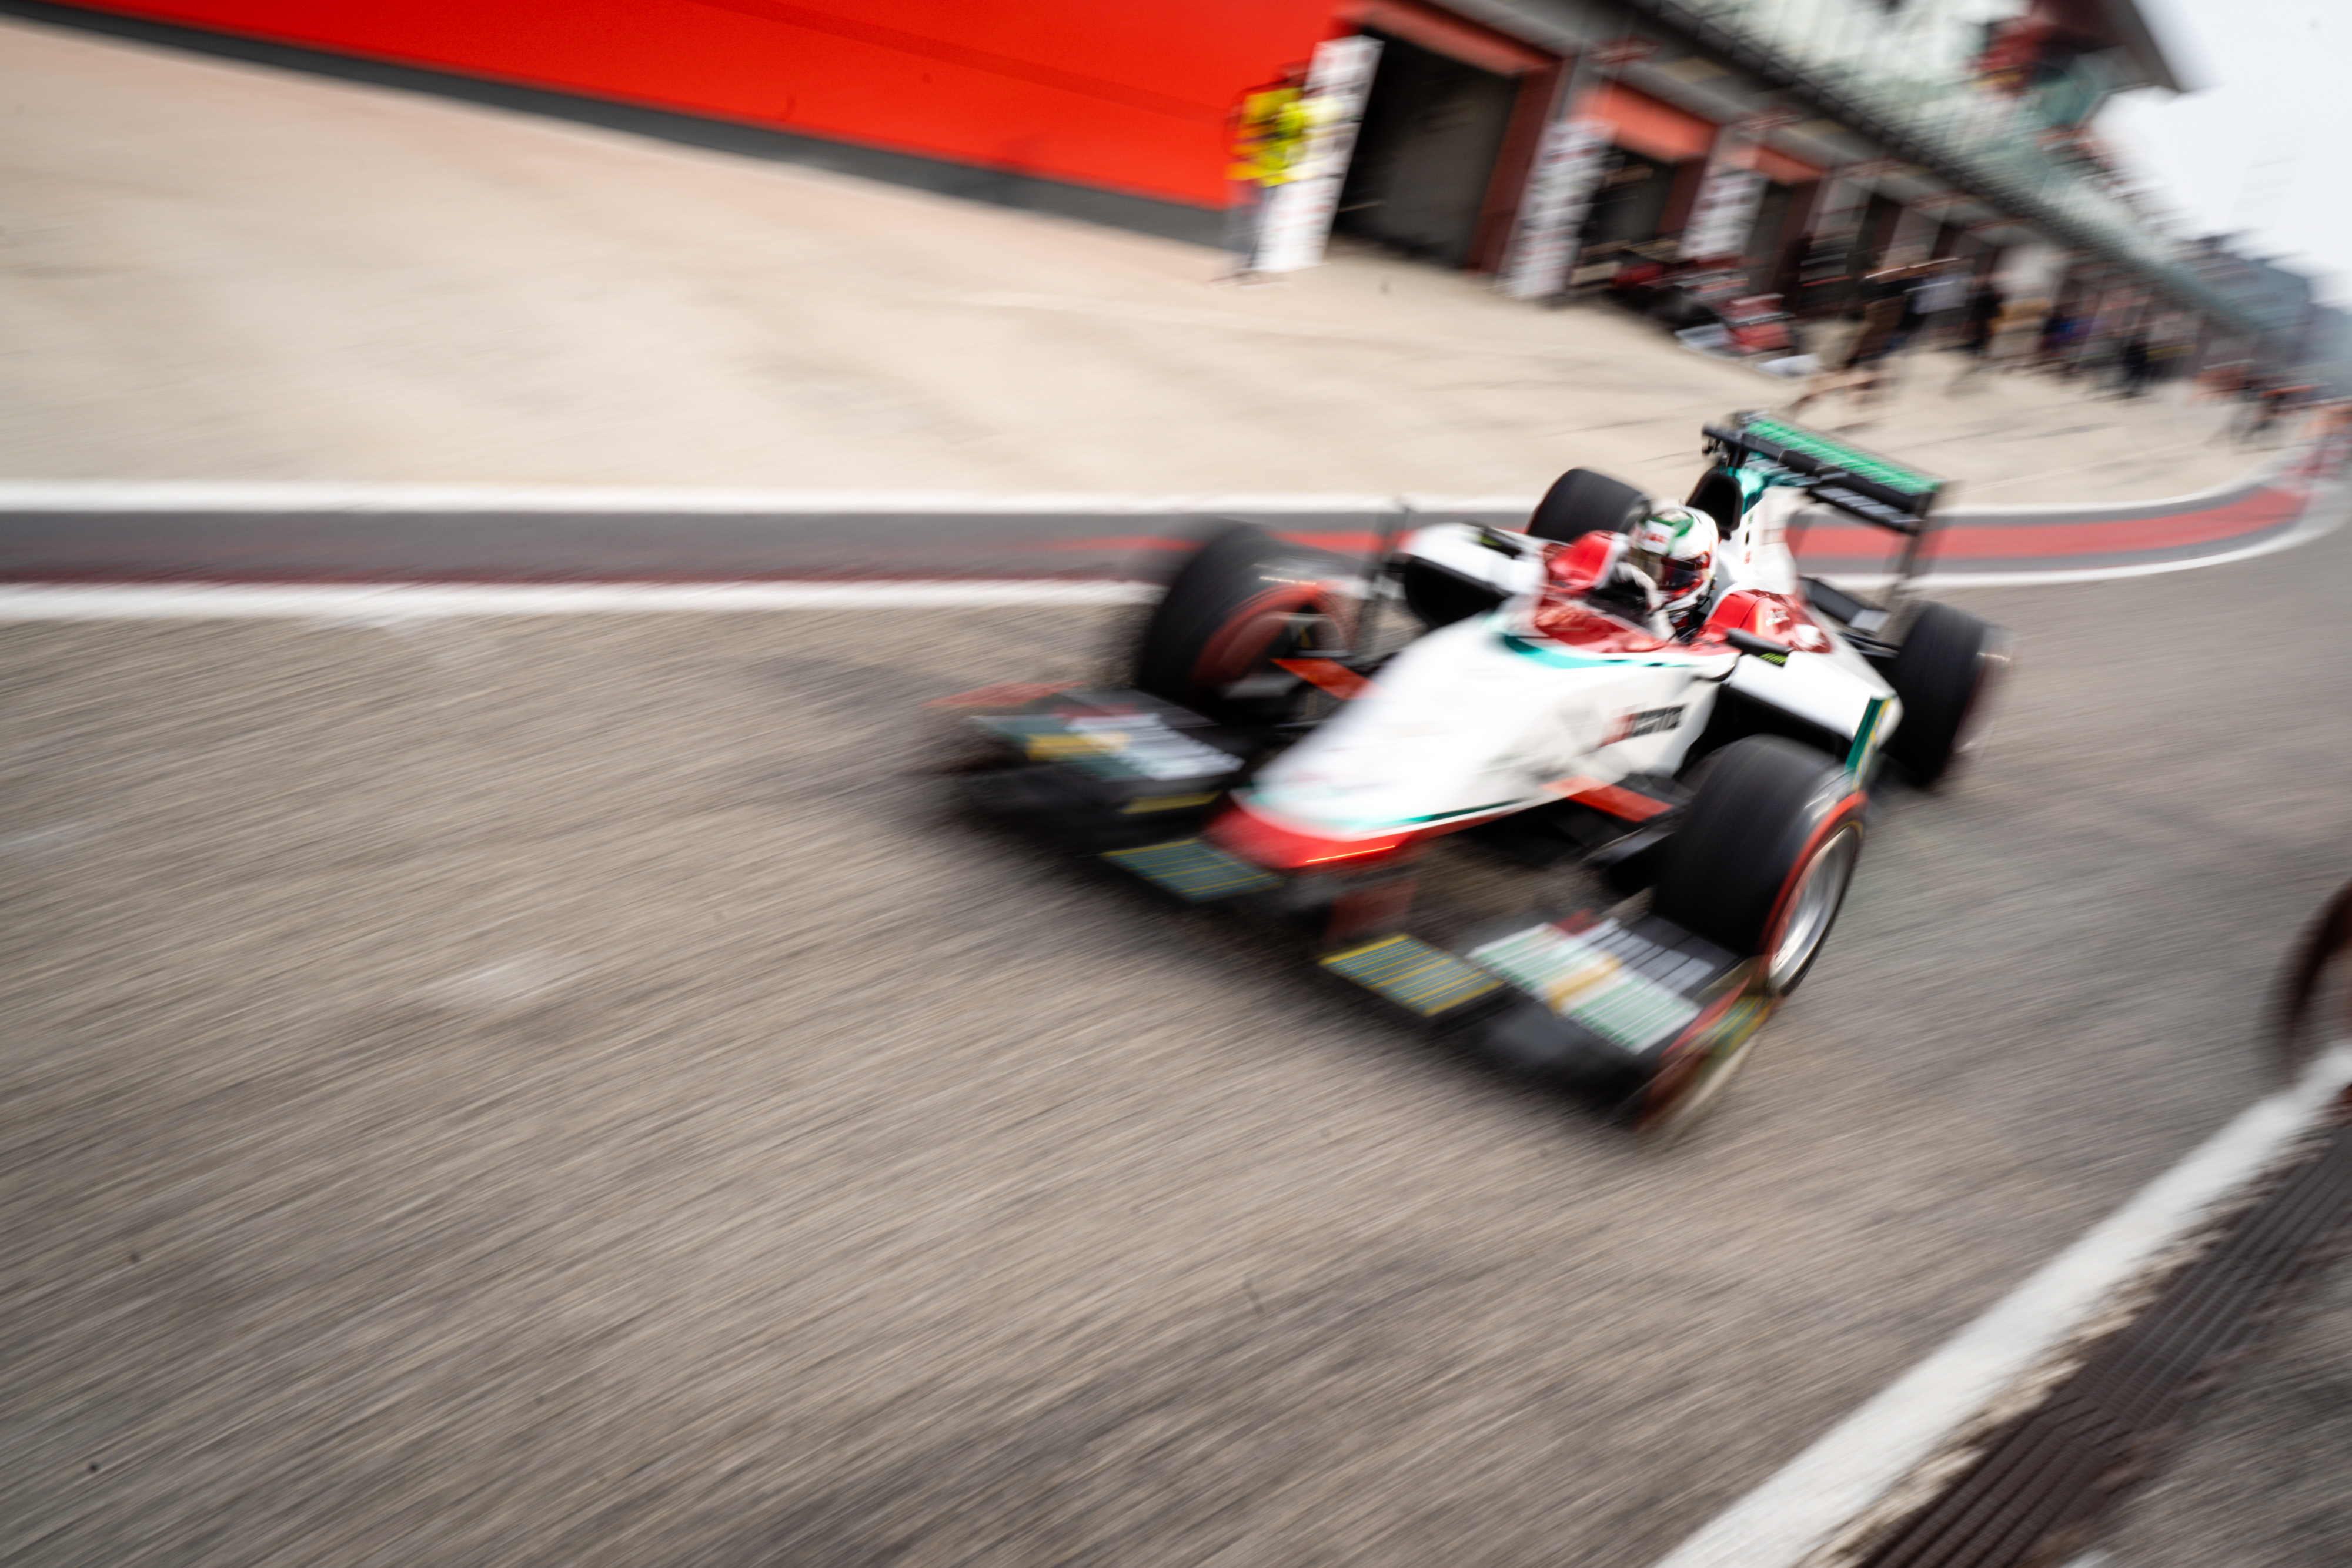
(1649, 688)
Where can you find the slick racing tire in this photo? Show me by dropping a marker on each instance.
(1761, 861)
(1945, 673)
(1244, 600)
(1581, 502)
(1718, 494)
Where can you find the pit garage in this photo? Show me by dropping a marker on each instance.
(1449, 128)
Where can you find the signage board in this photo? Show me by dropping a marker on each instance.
(1724, 212)
(1559, 192)
(1298, 213)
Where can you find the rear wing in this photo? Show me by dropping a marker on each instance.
(1874, 489)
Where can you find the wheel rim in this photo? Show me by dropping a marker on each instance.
(1821, 888)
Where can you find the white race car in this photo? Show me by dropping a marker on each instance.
(1546, 709)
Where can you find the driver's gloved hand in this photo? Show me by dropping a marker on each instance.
(1628, 592)
(1690, 622)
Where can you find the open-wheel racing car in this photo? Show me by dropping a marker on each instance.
(1647, 687)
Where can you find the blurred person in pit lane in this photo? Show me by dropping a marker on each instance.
(2132, 365)
(1269, 137)
(2062, 337)
(2270, 405)
(1862, 372)
(1980, 325)
(1938, 300)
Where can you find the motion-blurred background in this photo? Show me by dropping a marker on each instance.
(497, 1088)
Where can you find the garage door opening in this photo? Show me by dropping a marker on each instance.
(1432, 130)
(1627, 208)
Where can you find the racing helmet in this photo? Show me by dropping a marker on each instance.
(1674, 547)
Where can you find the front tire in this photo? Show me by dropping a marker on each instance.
(1244, 600)
(1944, 673)
(1763, 857)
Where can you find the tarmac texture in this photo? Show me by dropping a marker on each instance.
(220, 270)
(575, 1092)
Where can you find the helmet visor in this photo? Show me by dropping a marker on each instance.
(1674, 577)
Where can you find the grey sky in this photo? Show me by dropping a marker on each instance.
(2259, 147)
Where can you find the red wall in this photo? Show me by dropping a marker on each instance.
(1126, 95)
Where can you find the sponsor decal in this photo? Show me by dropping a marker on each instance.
(1143, 745)
(1567, 167)
(1636, 723)
(1194, 871)
(1723, 212)
(1414, 973)
(1582, 980)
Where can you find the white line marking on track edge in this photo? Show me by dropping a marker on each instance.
(359, 497)
(426, 600)
(2331, 504)
(376, 497)
(1801, 1508)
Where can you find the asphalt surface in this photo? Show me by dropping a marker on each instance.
(575, 1092)
(549, 544)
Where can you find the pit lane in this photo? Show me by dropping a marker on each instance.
(178, 533)
(569, 1091)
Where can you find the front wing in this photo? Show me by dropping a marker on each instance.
(1623, 1015)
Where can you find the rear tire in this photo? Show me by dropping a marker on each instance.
(1581, 502)
(1944, 673)
(1718, 494)
(1764, 855)
(1242, 601)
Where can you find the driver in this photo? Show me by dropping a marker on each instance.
(1666, 569)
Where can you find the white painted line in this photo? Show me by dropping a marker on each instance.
(419, 601)
(1801, 1508)
(207, 495)
(305, 496)
(405, 602)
